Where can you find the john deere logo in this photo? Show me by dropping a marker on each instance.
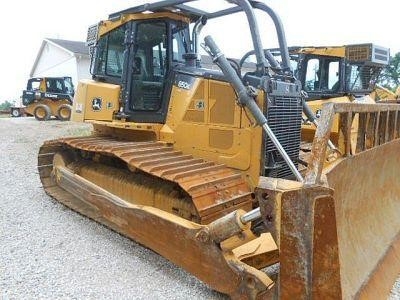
(96, 104)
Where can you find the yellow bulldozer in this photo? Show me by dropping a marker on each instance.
(46, 97)
(206, 167)
(382, 94)
(338, 74)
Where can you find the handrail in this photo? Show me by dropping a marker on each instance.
(246, 6)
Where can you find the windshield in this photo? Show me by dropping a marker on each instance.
(69, 87)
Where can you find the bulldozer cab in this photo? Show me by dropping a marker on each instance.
(148, 58)
(329, 72)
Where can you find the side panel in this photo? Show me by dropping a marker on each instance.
(204, 120)
(95, 101)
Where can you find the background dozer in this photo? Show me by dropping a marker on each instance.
(382, 94)
(205, 167)
(45, 97)
(338, 74)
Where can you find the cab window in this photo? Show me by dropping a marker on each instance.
(179, 43)
(149, 66)
(333, 75)
(109, 53)
(322, 74)
(54, 85)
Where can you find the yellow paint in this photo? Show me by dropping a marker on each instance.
(53, 105)
(336, 136)
(224, 134)
(127, 130)
(339, 51)
(308, 130)
(383, 94)
(204, 121)
(109, 25)
(87, 91)
(42, 85)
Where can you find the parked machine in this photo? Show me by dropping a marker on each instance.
(382, 94)
(206, 167)
(45, 97)
(338, 74)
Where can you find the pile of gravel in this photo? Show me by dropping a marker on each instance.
(50, 252)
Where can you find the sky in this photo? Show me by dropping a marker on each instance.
(24, 25)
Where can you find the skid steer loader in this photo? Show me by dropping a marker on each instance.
(204, 166)
(45, 97)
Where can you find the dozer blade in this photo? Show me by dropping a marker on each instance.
(366, 195)
(367, 200)
(338, 233)
(219, 253)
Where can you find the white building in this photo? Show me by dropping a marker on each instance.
(58, 58)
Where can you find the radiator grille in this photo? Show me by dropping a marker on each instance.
(284, 119)
(368, 53)
(359, 53)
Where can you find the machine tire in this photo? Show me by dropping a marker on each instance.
(15, 112)
(64, 112)
(42, 112)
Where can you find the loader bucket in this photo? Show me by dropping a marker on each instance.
(366, 196)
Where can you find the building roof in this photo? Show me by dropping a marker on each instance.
(75, 47)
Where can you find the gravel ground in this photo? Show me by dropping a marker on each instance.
(49, 252)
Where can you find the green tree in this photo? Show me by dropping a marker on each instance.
(390, 76)
(5, 105)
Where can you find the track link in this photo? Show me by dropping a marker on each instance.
(214, 189)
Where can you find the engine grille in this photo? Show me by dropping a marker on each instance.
(284, 118)
(368, 53)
